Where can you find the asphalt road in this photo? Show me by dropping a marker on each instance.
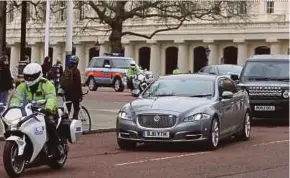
(266, 154)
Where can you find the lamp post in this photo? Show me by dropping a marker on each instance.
(207, 53)
(47, 23)
(69, 32)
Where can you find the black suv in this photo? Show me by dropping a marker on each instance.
(266, 79)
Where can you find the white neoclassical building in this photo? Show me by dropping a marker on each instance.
(266, 32)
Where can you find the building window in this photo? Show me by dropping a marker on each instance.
(81, 10)
(242, 7)
(28, 8)
(43, 11)
(62, 10)
(10, 12)
(270, 7)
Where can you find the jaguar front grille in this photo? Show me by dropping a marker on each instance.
(157, 121)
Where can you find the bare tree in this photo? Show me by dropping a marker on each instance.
(170, 15)
(2, 27)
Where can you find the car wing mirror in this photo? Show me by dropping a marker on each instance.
(234, 77)
(227, 95)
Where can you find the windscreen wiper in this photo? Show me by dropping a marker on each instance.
(281, 79)
(260, 78)
(204, 95)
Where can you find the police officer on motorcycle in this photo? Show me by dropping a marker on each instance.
(133, 70)
(36, 88)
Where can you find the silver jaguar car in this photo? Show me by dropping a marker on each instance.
(186, 108)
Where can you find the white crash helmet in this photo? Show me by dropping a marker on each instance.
(132, 64)
(32, 74)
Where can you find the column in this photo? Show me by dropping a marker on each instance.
(242, 52)
(274, 45)
(129, 50)
(155, 58)
(104, 48)
(80, 52)
(14, 59)
(213, 56)
(57, 52)
(182, 61)
(35, 53)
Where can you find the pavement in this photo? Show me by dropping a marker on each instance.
(265, 155)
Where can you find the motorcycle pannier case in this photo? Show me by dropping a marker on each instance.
(76, 130)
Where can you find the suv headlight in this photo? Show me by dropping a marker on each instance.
(196, 117)
(124, 115)
(286, 94)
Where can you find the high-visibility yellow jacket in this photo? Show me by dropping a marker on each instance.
(45, 90)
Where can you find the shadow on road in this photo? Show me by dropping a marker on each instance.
(180, 147)
(257, 122)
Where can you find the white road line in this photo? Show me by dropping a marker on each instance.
(105, 110)
(160, 159)
(268, 143)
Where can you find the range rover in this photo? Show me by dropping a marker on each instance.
(266, 79)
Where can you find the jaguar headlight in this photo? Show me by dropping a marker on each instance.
(124, 115)
(286, 94)
(196, 117)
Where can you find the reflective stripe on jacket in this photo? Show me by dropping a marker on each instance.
(45, 90)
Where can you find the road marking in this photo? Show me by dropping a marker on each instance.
(105, 110)
(160, 159)
(268, 143)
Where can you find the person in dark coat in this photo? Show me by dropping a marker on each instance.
(6, 79)
(46, 66)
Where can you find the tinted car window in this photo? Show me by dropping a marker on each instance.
(212, 70)
(255, 70)
(180, 87)
(224, 70)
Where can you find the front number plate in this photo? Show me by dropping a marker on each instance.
(264, 108)
(156, 134)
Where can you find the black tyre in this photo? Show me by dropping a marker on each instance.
(92, 84)
(214, 137)
(13, 166)
(118, 86)
(58, 163)
(85, 117)
(245, 133)
(126, 145)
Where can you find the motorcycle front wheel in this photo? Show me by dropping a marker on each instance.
(58, 163)
(14, 165)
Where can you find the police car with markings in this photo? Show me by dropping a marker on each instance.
(108, 71)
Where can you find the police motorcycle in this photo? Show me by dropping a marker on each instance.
(26, 138)
(141, 81)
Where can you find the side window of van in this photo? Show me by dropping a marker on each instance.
(96, 63)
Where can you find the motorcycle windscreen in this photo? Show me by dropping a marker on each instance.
(13, 114)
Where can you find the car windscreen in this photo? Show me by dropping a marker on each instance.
(266, 70)
(230, 70)
(181, 87)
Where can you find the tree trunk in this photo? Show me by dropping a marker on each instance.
(115, 39)
(2, 27)
(23, 30)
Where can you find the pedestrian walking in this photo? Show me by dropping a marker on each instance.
(46, 66)
(6, 80)
(55, 74)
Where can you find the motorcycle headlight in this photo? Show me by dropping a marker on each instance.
(196, 117)
(124, 115)
(11, 122)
